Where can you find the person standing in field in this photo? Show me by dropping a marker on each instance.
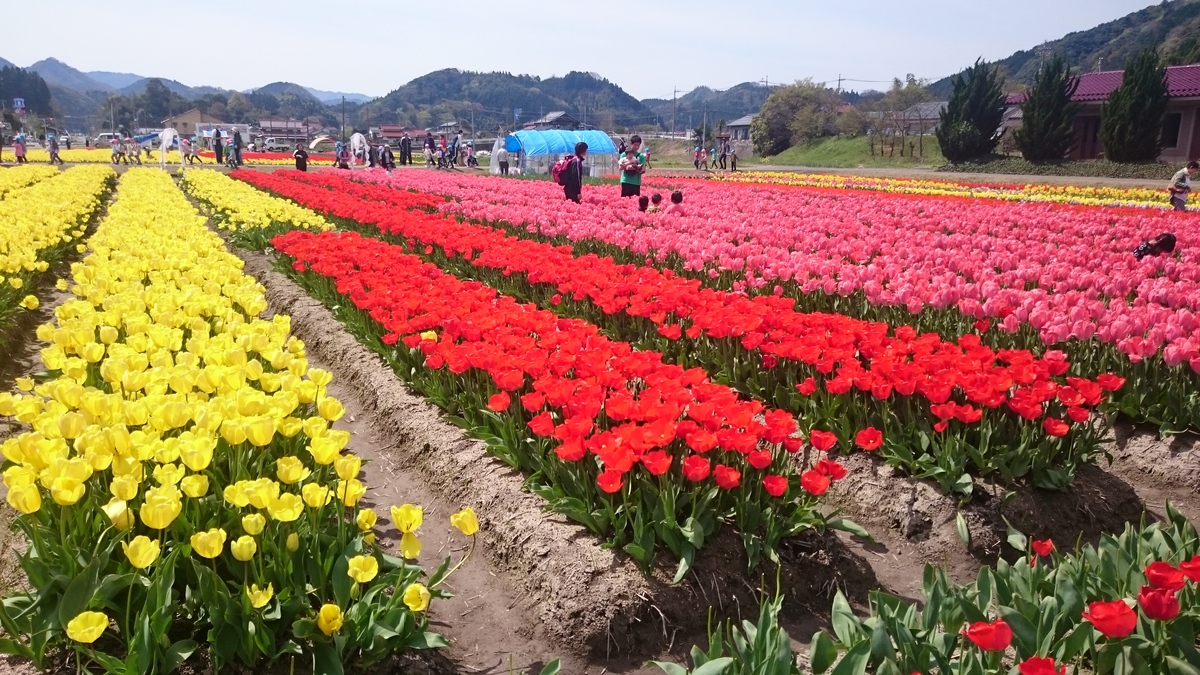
(696, 158)
(502, 160)
(218, 149)
(19, 149)
(301, 157)
(1181, 186)
(405, 150)
(632, 165)
(572, 175)
(54, 158)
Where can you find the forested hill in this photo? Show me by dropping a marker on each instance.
(1173, 28)
(453, 94)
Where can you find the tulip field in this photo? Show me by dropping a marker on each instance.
(188, 492)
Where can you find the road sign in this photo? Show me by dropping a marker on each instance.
(18, 103)
(516, 114)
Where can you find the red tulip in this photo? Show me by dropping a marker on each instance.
(990, 637)
(499, 402)
(1040, 665)
(822, 440)
(830, 468)
(869, 439)
(1114, 619)
(807, 387)
(656, 462)
(1055, 427)
(610, 481)
(1159, 604)
(814, 482)
(775, 485)
(695, 468)
(1191, 568)
(1043, 547)
(726, 478)
(1164, 576)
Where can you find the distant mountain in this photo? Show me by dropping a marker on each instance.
(114, 80)
(4, 63)
(453, 95)
(54, 71)
(1172, 27)
(175, 86)
(77, 106)
(280, 88)
(331, 97)
(744, 99)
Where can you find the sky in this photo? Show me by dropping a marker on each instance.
(649, 48)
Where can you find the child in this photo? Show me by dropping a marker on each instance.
(1163, 243)
(655, 203)
(643, 203)
(676, 206)
(630, 168)
(733, 161)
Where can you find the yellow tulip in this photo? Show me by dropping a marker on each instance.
(363, 568)
(29, 302)
(410, 546)
(209, 544)
(259, 596)
(253, 523)
(236, 494)
(316, 495)
(416, 596)
(465, 521)
(350, 491)
(19, 476)
(293, 542)
(329, 619)
(233, 432)
(198, 453)
(168, 474)
(124, 487)
(92, 352)
(261, 492)
(87, 627)
(25, 498)
(243, 548)
(61, 284)
(324, 450)
(315, 427)
(141, 551)
(347, 466)
(330, 408)
(286, 507)
(118, 513)
(407, 517)
(429, 335)
(260, 431)
(25, 383)
(108, 335)
(290, 470)
(195, 485)
(161, 506)
(366, 520)
(67, 491)
(288, 427)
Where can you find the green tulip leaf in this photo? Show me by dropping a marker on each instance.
(821, 652)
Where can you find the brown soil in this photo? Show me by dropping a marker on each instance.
(914, 522)
(1159, 469)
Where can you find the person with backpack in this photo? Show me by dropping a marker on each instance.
(1181, 186)
(568, 172)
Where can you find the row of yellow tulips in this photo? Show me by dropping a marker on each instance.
(22, 175)
(250, 216)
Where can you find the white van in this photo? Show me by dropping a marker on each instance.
(105, 139)
(275, 145)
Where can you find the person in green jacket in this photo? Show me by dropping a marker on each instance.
(632, 166)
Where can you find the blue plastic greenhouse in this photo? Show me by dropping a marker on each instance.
(533, 151)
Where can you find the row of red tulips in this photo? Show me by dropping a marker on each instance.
(982, 411)
(641, 452)
(1023, 275)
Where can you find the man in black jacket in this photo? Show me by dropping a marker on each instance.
(572, 177)
(405, 150)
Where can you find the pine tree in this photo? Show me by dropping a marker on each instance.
(1132, 119)
(969, 126)
(1048, 113)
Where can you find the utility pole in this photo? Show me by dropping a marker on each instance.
(704, 129)
(343, 119)
(839, 89)
(674, 94)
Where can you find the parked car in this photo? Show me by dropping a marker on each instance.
(275, 145)
(105, 139)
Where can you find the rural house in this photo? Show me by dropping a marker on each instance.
(292, 131)
(186, 123)
(739, 129)
(554, 120)
(1181, 128)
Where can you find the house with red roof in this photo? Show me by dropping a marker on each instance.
(1181, 128)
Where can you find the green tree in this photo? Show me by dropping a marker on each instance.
(794, 114)
(1132, 118)
(26, 84)
(1048, 113)
(969, 126)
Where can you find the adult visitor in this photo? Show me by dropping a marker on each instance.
(235, 146)
(1181, 186)
(386, 159)
(218, 149)
(405, 150)
(67, 141)
(632, 166)
(571, 176)
(1163, 244)
(301, 157)
(502, 160)
(54, 158)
